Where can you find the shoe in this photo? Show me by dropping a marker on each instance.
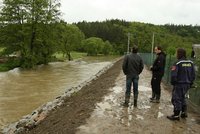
(173, 117)
(125, 104)
(184, 115)
(152, 99)
(155, 101)
(135, 103)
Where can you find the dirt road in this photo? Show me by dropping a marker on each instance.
(96, 109)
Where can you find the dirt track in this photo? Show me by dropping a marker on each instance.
(96, 109)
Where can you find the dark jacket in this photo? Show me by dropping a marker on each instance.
(182, 72)
(158, 67)
(132, 64)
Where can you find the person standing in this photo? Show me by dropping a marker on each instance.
(192, 53)
(157, 69)
(132, 66)
(182, 77)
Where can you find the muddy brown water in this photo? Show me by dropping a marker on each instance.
(22, 91)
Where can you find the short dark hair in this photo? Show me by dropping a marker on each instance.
(134, 49)
(159, 48)
(181, 53)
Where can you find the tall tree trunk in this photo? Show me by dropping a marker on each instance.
(69, 56)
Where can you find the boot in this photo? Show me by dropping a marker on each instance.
(184, 115)
(184, 112)
(175, 116)
(135, 100)
(156, 99)
(153, 97)
(127, 97)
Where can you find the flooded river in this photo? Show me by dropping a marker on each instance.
(22, 91)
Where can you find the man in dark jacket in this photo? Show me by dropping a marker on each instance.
(157, 69)
(182, 77)
(132, 67)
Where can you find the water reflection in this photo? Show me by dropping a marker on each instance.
(23, 91)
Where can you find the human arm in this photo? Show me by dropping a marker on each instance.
(125, 64)
(174, 73)
(159, 63)
(141, 66)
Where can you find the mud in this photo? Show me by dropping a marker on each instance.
(148, 118)
(96, 109)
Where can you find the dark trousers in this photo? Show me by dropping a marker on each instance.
(155, 85)
(178, 97)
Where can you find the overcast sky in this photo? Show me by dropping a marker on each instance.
(148, 11)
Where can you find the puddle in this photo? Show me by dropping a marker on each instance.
(104, 106)
(144, 88)
(160, 114)
(117, 90)
(139, 117)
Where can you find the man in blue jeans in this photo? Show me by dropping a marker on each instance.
(132, 67)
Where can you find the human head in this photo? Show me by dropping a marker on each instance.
(158, 49)
(180, 53)
(134, 49)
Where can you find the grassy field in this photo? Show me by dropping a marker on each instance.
(75, 55)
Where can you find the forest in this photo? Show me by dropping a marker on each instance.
(33, 31)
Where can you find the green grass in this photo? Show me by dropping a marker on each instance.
(59, 56)
(75, 55)
(3, 67)
(101, 57)
(1, 49)
(9, 64)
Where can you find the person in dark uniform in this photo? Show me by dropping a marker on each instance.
(157, 69)
(132, 66)
(182, 77)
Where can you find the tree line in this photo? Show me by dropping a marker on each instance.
(169, 36)
(34, 29)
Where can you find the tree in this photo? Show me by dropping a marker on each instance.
(70, 38)
(171, 50)
(107, 48)
(93, 46)
(28, 27)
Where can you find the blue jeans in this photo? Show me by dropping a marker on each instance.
(129, 80)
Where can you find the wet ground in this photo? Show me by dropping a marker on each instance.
(96, 109)
(149, 118)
